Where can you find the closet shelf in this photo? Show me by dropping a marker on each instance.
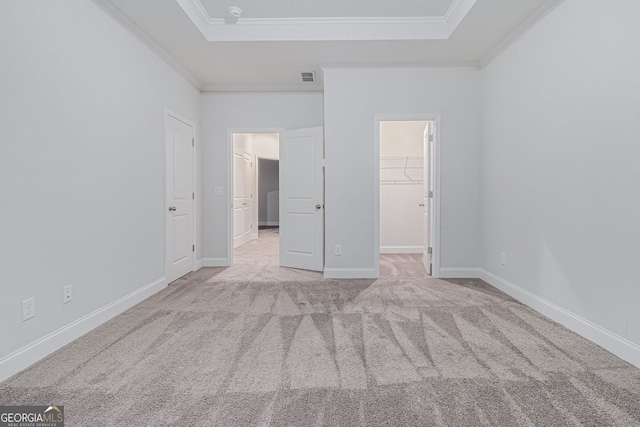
(401, 170)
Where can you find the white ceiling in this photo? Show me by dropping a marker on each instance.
(308, 35)
(328, 8)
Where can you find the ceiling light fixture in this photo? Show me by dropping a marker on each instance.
(235, 12)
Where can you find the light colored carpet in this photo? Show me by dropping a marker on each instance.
(259, 345)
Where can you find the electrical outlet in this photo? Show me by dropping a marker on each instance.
(28, 309)
(66, 294)
(503, 258)
(338, 250)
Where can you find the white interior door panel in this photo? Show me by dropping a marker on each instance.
(302, 199)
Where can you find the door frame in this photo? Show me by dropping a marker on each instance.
(230, 170)
(435, 118)
(169, 113)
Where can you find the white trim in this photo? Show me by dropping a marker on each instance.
(467, 65)
(537, 15)
(459, 273)
(434, 117)
(37, 350)
(401, 249)
(616, 344)
(142, 36)
(198, 264)
(215, 262)
(456, 13)
(351, 273)
(341, 28)
(276, 87)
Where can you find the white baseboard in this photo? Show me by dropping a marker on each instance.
(215, 262)
(621, 347)
(198, 264)
(459, 273)
(351, 273)
(401, 249)
(269, 224)
(31, 353)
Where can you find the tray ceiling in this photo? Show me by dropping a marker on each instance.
(288, 20)
(275, 40)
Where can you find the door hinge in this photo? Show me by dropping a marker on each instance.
(193, 248)
(193, 195)
(430, 138)
(430, 250)
(431, 194)
(193, 142)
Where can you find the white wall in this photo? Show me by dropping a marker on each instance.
(244, 141)
(241, 111)
(266, 145)
(353, 97)
(560, 175)
(401, 216)
(402, 137)
(81, 171)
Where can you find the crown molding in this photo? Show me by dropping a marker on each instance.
(141, 35)
(462, 65)
(327, 29)
(456, 13)
(542, 11)
(262, 88)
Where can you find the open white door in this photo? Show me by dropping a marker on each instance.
(179, 140)
(302, 199)
(242, 196)
(427, 201)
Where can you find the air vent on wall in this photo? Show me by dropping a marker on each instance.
(309, 77)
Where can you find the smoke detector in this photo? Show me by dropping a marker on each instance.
(235, 12)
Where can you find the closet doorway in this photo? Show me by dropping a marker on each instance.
(406, 191)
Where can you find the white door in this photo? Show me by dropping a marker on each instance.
(302, 199)
(242, 197)
(179, 140)
(427, 200)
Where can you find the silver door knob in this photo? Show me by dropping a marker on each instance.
(318, 206)
(172, 208)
